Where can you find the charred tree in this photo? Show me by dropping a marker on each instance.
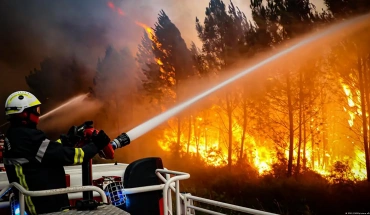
(230, 129)
(220, 35)
(300, 123)
(152, 82)
(177, 64)
(291, 126)
(244, 108)
(363, 108)
(189, 135)
(171, 63)
(366, 72)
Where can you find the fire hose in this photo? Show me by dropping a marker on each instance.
(78, 136)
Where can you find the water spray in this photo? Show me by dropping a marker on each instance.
(77, 98)
(154, 122)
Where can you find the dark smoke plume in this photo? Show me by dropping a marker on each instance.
(34, 30)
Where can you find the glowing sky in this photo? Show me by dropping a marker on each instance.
(182, 14)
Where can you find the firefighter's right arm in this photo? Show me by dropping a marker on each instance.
(57, 153)
(33, 145)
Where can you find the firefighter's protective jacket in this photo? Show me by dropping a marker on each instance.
(36, 163)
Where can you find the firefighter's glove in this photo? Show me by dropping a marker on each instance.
(100, 139)
(65, 140)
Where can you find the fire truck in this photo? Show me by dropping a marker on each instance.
(142, 187)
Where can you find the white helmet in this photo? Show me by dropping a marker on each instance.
(20, 100)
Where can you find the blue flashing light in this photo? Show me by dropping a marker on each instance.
(115, 193)
(16, 209)
(119, 198)
(127, 202)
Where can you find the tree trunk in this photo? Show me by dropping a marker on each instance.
(312, 147)
(325, 139)
(300, 121)
(230, 130)
(364, 122)
(366, 64)
(196, 135)
(178, 143)
(244, 127)
(291, 128)
(304, 141)
(189, 136)
(205, 140)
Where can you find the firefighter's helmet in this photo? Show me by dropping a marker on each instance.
(18, 101)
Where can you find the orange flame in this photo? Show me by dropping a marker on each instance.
(159, 62)
(354, 101)
(151, 34)
(206, 141)
(148, 30)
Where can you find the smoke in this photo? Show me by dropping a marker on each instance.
(33, 30)
(78, 109)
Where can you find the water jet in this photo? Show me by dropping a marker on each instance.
(157, 120)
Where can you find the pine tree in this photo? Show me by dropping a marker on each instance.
(152, 82)
(222, 37)
(173, 64)
(346, 8)
(55, 74)
(351, 60)
(115, 83)
(262, 32)
(276, 22)
(172, 60)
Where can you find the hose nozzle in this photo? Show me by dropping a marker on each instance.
(120, 141)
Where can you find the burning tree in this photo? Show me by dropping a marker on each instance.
(221, 35)
(173, 65)
(288, 18)
(351, 59)
(295, 118)
(152, 83)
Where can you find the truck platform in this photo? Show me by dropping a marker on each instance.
(101, 210)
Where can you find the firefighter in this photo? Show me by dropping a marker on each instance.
(36, 162)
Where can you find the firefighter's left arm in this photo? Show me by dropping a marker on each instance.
(55, 153)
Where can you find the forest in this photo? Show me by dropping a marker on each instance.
(290, 138)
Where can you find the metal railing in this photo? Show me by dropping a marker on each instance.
(188, 196)
(168, 184)
(184, 202)
(187, 207)
(23, 192)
